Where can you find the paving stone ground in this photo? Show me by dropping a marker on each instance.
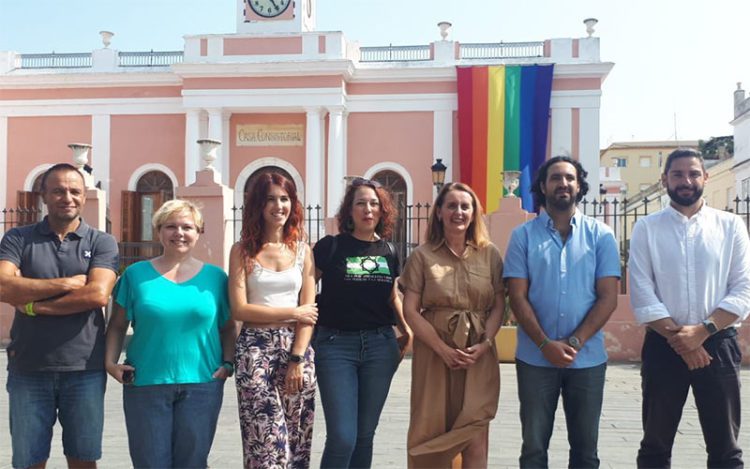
(620, 429)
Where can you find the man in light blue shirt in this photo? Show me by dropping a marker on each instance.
(562, 270)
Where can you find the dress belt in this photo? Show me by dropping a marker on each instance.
(461, 323)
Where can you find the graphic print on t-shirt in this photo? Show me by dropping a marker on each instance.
(367, 269)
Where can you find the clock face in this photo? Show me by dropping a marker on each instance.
(269, 8)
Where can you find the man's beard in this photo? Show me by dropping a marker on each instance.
(685, 201)
(562, 204)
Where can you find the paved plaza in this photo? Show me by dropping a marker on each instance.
(618, 442)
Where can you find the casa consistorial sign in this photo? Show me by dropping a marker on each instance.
(270, 135)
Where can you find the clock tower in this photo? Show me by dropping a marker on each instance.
(275, 16)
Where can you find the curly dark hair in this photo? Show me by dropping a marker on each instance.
(253, 224)
(541, 177)
(388, 212)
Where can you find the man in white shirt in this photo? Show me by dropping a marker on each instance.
(690, 284)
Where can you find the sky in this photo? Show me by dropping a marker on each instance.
(676, 62)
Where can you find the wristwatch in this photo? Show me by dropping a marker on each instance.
(574, 342)
(710, 326)
(295, 358)
(229, 366)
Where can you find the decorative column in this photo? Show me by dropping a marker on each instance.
(442, 140)
(226, 135)
(216, 132)
(100, 139)
(95, 210)
(314, 169)
(336, 161)
(192, 154)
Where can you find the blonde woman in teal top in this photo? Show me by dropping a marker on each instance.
(182, 346)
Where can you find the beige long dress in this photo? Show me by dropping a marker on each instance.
(451, 407)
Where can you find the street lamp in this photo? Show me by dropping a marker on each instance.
(438, 174)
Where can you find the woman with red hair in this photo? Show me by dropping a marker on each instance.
(272, 291)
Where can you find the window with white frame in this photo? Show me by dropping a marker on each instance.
(645, 161)
(620, 162)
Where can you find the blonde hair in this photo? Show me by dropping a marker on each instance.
(174, 206)
(477, 231)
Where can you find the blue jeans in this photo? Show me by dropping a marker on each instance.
(539, 390)
(172, 425)
(354, 369)
(37, 399)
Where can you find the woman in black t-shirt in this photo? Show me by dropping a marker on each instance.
(356, 349)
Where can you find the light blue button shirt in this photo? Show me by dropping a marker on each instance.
(562, 280)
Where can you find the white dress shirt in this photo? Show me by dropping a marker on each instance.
(685, 268)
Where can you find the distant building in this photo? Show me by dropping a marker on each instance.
(639, 164)
(741, 125)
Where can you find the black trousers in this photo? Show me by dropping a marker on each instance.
(716, 388)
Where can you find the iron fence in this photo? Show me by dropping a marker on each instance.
(622, 214)
(408, 233)
(12, 217)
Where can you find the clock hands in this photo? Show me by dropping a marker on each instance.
(274, 5)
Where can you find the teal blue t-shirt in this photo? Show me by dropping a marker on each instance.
(176, 327)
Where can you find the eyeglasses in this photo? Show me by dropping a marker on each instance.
(356, 182)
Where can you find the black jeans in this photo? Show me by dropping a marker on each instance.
(539, 389)
(716, 388)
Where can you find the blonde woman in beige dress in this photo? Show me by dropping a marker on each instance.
(453, 300)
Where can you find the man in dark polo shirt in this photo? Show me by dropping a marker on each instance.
(58, 274)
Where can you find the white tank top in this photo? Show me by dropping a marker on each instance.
(279, 289)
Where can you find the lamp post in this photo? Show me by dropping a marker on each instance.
(438, 174)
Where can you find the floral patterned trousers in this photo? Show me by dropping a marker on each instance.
(276, 426)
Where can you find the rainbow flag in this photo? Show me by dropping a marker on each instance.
(503, 117)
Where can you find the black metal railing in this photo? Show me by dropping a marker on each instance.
(150, 58)
(12, 217)
(408, 233)
(622, 214)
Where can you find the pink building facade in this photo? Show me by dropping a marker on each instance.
(277, 93)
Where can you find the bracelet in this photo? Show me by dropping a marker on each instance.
(29, 309)
(229, 366)
(489, 342)
(544, 342)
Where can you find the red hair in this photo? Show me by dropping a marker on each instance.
(253, 224)
(388, 211)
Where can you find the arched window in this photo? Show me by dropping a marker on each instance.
(153, 189)
(138, 207)
(392, 181)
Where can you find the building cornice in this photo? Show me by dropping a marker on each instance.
(342, 67)
(88, 80)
